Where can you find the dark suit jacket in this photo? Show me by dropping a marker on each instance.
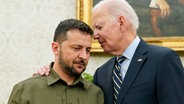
(155, 76)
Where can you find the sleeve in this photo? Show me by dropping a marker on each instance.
(170, 80)
(95, 77)
(153, 4)
(15, 95)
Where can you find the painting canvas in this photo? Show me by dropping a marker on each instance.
(159, 19)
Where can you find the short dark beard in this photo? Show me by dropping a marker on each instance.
(70, 70)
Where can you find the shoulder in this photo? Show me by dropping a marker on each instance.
(159, 50)
(91, 86)
(163, 56)
(104, 68)
(32, 81)
(108, 62)
(149, 49)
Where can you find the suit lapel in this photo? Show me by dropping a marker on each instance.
(133, 70)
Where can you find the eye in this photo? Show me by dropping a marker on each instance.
(98, 27)
(88, 50)
(76, 48)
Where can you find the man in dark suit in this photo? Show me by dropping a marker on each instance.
(150, 74)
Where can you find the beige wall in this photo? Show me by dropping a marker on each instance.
(26, 32)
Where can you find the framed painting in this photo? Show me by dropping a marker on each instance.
(161, 23)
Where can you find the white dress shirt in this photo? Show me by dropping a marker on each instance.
(129, 52)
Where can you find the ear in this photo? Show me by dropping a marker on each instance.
(122, 22)
(55, 48)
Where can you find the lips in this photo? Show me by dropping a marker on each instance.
(81, 63)
(80, 66)
(101, 43)
(100, 40)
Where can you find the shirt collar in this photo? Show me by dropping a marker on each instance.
(53, 78)
(129, 52)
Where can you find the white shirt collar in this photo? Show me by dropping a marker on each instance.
(129, 52)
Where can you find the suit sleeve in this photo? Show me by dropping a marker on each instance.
(95, 77)
(170, 80)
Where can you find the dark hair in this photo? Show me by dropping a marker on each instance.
(69, 24)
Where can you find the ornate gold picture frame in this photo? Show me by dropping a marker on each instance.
(84, 13)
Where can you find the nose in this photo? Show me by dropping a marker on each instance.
(96, 34)
(83, 54)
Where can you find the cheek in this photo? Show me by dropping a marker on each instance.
(109, 31)
(104, 34)
(69, 61)
(87, 59)
(68, 57)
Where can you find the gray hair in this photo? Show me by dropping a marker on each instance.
(120, 7)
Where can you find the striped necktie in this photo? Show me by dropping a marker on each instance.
(117, 77)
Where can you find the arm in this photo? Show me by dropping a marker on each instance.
(170, 80)
(164, 7)
(45, 70)
(181, 1)
(15, 96)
